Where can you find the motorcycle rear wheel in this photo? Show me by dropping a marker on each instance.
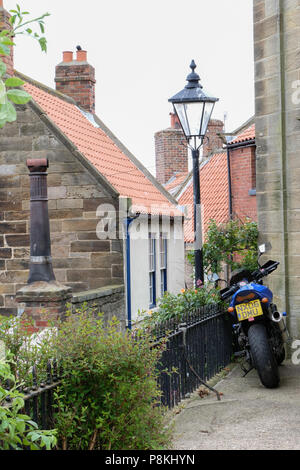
(262, 355)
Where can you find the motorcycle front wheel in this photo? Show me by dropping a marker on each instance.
(262, 355)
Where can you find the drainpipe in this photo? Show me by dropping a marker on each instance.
(229, 183)
(128, 222)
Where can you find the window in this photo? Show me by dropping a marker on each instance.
(163, 255)
(152, 269)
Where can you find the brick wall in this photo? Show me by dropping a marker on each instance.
(213, 140)
(4, 24)
(243, 182)
(80, 259)
(76, 78)
(171, 152)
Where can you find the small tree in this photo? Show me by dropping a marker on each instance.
(233, 243)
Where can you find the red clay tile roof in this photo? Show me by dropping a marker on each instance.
(214, 195)
(97, 147)
(247, 134)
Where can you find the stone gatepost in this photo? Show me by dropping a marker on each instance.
(43, 300)
(43, 303)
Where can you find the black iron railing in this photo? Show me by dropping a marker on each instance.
(197, 349)
(39, 397)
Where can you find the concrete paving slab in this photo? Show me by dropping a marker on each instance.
(248, 417)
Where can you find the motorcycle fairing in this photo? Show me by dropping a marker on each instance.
(260, 290)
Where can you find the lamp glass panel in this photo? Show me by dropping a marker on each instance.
(181, 113)
(191, 117)
(209, 106)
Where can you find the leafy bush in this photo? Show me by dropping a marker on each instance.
(26, 349)
(233, 243)
(17, 430)
(108, 396)
(176, 306)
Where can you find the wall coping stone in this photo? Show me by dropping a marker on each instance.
(97, 293)
(44, 292)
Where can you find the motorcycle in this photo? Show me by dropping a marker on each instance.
(260, 330)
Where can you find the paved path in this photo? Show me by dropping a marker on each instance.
(248, 416)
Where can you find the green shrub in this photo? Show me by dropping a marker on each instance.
(17, 430)
(177, 306)
(234, 243)
(108, 396)
(26, 349)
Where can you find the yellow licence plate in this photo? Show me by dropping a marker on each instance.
(249, 310)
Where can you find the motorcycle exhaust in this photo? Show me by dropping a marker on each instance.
(278, 317)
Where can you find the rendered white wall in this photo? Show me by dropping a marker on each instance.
(139, 231)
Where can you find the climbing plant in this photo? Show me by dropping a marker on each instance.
(10, 93)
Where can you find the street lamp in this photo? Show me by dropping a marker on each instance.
(194, 108)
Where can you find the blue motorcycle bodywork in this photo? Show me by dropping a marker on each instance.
(260, 290)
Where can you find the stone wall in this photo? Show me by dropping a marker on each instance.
(277, 72)
(80, 259)
(107, 300)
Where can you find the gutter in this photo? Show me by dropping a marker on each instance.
(245, 143)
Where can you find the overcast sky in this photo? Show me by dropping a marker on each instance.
(141, 50)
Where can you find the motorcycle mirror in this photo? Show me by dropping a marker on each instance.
(262, 249)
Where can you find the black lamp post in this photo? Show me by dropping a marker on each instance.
(194, 108)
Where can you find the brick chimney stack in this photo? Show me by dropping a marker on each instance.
(171, 153)
(75, 77)
(4, 24)
(214, 141)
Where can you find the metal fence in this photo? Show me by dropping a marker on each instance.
(197, 349)
(39, 398)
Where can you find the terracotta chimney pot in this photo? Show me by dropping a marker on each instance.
(76, 78)
(67, 56)
(81, 56)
